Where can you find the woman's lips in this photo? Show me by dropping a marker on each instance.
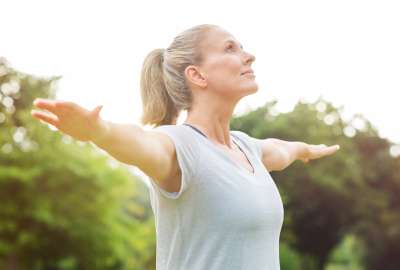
(249, 73)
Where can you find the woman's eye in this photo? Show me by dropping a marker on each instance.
(229, 47)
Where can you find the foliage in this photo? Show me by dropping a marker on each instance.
(64, 204)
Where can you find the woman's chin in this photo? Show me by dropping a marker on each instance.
(253, 87)
(249, 90)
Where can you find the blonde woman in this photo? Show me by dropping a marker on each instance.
(215, 204)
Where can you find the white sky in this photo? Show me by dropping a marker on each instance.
(345, 51)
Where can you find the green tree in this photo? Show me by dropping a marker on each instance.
(63, 203)
(379, 203)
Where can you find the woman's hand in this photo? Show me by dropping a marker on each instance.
(71, 119)
(313, 151)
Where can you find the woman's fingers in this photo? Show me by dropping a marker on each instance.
(96, 111)
(331, 149)
(45, 104)
(321, 150)
(56, 106)
(51, 119)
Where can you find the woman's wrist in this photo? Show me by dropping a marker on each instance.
(102, 133)
(302, 151)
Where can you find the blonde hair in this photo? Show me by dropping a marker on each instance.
(163, 87)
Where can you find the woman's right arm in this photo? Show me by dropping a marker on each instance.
(150, 151)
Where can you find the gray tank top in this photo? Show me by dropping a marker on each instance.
(224, 216)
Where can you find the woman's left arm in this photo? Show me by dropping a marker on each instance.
(279, 154)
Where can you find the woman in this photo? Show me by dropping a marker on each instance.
(215, 203)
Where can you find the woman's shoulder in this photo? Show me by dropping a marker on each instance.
(180, 134)
(240, 134)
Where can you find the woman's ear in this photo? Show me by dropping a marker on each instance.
(195, 77)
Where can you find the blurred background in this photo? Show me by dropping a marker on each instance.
(328, 72)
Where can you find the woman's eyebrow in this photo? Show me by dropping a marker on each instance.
(232, 41)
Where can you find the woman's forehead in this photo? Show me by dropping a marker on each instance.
(217, 38)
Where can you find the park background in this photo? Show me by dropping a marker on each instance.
(328, 73)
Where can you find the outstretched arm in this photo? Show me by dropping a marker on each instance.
(279, 154)
(148, 150)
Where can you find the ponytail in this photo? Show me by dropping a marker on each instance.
(158, 108)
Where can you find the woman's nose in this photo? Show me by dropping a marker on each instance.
(249, 58)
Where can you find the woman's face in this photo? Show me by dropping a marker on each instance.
(224, 64)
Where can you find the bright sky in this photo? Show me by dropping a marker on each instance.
(345, 51)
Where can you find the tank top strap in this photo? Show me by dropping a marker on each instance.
(252, 143)
(196, 129)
